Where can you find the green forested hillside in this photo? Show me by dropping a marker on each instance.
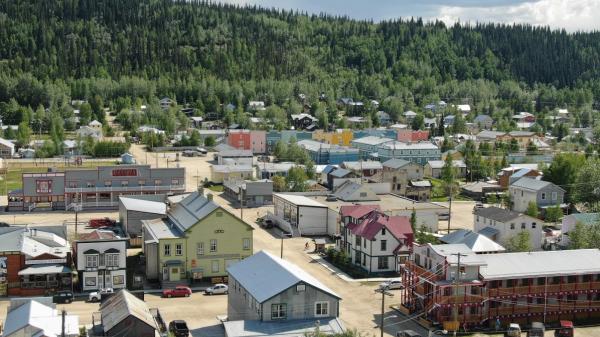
(53, 50)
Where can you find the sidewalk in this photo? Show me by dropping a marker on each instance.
(334, 270)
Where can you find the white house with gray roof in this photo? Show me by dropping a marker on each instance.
(264, 288)
(543, 193)
(501, 225)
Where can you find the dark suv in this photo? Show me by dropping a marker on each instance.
(179, 328)
(65, 296)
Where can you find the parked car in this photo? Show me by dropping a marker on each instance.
(219, 288)
(179, 328)
(478, 204)
(514, 330)
(566, 329)
(407, 333)
(331, 197)
(97, 296)
(392, 284)
(190, 153)
(179, 291)
(64, 296)
(537, 330)
(267, 223)
(202, 152)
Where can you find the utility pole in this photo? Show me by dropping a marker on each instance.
(384, 292)
(450, 206)
(456, 283)
(63, 314)
(281, 247)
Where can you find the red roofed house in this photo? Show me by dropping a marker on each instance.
(376, 242)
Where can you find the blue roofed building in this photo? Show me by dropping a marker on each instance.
(323, 154)
(419, 153)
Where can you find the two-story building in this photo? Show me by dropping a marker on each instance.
(197, 240)
(304, 121)
(486, 290)
(369, 169)
(400, 173)
(101, 258)
(419, 153)
(543, 193)
(369, 144)
(268, 295)
(374, 241)
(95, 188)
(434, 168)
(501, 225)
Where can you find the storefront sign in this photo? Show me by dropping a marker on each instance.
(51, 261)
(219, 231)
(124, 173)
(43, 186)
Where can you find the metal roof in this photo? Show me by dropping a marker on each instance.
(496, 213)
(363, 165)
(45, 321)
(478, 243)
(438, 164)
(299, 200)
(540, 264)
(396, 145)
(161, 229)
(44, 269)
(340, 173)
(372, 140)
(396, 163)
(532, 184)
(122, 305)
(348, 192)
(288, 328)
(190, 210)
(145, 206)
(447, 250)
(231, 168)
(264, 275)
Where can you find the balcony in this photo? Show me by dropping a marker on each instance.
(120, 189)
(463, 299)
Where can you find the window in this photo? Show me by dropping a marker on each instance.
(382, 262)
(301, 288)
(358, 241)
(141, 182)
(108, 183)
(90, 281)
(219, 214)
(174, 181)
(383, 245)
(112, 260)
(167, 250)
(554, 195)
(200, 248)
(179, 249)
(91, 261)
(215, 266)
(246, 244)
(533, 225)
(364, 259)
(213, 245)
(523, 225)
(363, 194)
(278, 311)
(365, 243)
(543, 196)
(89, 184)
(118, 280)
(157, 182)
(512, 226)
(321, 309)
(383, 231)
(124, 183)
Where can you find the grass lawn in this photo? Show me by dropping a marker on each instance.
(216, 188)
(12, 180)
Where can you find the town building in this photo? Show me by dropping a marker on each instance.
(481, 190)
(304, 121)
(7, 148)
(235, 157)
(368, 170)
(266, 170)
(342, 137)
(86, 131)
(338, 176)
(399, 173)
(369, 145)
(38, 318)
(383, 117)
(249, 193)
(322, 154)
(499, 289)
(478, 243)
(123, 314)
(570, 221)
(374, 241)
(484, 122)
(509, 175)
(523, 138)
(433, 168)
(411, 136)
(93, 188)
(222, 173)
(489, 136)
(300, 215)
(34, 261)
(197, 240)
(543, 193)
(274, 295)
(101, 261)
(253, 140)
(501, 225)
(354, 191)
(133, 210)
(419, 153)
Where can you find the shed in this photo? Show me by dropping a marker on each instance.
(303, 216)
(133, 210)
(125, 315)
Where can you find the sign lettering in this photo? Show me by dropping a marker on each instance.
(219, 231)
(50, 261)
(124, 173)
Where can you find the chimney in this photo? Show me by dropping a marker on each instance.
(200, 189)
(209, 196)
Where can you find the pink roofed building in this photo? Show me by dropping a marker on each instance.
(373, 240)
(411, 136)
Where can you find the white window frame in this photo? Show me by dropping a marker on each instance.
(178, 249)
(246, 244)
(86, 284)
(322, 309)
(214, 263)
(278, 309)
(118, 279)
(167, 249)
(383, 245)
(93, 258)
(213, 245)
(200, 248)
(112, 260)
(554, 195)
(300, 288)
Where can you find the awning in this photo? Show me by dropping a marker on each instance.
(173, 263)
(45, 269)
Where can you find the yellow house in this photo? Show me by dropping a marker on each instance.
(337, 137)
(197, 240)
(221, 173)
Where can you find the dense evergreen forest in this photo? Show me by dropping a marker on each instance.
(209, 55)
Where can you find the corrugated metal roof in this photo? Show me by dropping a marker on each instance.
(190, 210)
(496, 213)
(478, 243)
(264, 275)
(363, 165)
(396, 163)
(44, 269)
(145, 206)
(299, 200)
(541, 263)
(42, 317)
(161, 229)
(532, 184)
(122, 305)
(288, 328)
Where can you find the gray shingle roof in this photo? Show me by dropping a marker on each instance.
(396, 163)
(532, 184)
(496, 213)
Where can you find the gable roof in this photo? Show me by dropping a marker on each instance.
(585, 218)
(438, 164)
(347, 192)
(363, 165)
(340, 173)
(264, 275)
(99, 235)
(483, 118)
(477, 242)
(44, 318)
(122, 305)
(398, 226)
(190, 210)
(532, 184)
(498, 214)
(357, 211)
(396, 163)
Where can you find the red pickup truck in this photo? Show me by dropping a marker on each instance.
(179, 291)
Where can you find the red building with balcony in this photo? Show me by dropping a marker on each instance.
(544, 286)
(239, 139)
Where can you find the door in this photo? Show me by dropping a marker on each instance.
(107, 279)
(258, 200)
(174, 275)
(165, 274)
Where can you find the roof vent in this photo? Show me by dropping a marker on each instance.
(209, 196)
